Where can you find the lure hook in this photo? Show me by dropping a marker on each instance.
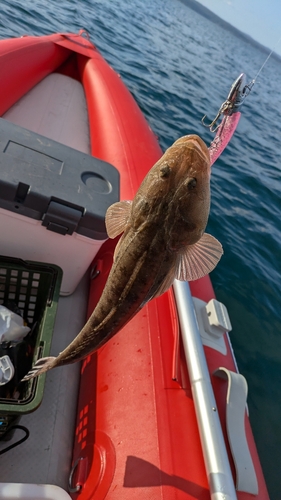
(213, 126)
(238, 91)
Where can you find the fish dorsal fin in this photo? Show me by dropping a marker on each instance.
(117, 217)
(199, 259)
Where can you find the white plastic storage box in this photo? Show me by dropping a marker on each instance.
(53, 201)
(26, 491)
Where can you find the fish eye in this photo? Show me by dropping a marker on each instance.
(192, 183)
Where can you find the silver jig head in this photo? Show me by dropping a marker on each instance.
(238, 91)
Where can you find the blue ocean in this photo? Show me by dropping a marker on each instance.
(179, 66)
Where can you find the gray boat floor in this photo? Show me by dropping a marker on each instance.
(45, 457)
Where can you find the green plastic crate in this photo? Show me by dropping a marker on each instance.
(35, 288)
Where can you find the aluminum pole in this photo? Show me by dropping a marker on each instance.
(214, 451)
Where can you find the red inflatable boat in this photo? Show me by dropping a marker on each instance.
(160, 410)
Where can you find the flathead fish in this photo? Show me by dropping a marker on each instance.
(163, 239)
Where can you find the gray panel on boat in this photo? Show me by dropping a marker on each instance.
(46, 180)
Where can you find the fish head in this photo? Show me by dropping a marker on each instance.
(176, 192)
(190, 202)
(165, 222)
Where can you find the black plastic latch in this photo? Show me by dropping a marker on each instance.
(61, 219)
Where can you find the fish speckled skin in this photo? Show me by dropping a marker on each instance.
(163, 239)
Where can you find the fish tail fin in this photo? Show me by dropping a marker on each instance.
(41, 366)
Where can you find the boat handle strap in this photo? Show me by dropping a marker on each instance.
(246, 479)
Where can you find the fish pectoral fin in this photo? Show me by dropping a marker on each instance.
(117, 217)
(199, 259)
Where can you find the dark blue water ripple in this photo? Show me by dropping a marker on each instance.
(179, 66)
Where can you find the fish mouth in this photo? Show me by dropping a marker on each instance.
(196, 143)
(199, 145)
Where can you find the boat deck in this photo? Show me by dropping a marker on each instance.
(45, 457)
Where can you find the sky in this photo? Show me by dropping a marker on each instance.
(261, 19)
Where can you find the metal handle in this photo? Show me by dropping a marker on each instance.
(74, 489)
(213, 446)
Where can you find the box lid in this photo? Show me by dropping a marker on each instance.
(45, 180)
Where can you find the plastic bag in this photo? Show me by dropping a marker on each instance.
(11, 326)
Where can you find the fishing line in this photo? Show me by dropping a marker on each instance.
(236, 96)
(263, 65)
